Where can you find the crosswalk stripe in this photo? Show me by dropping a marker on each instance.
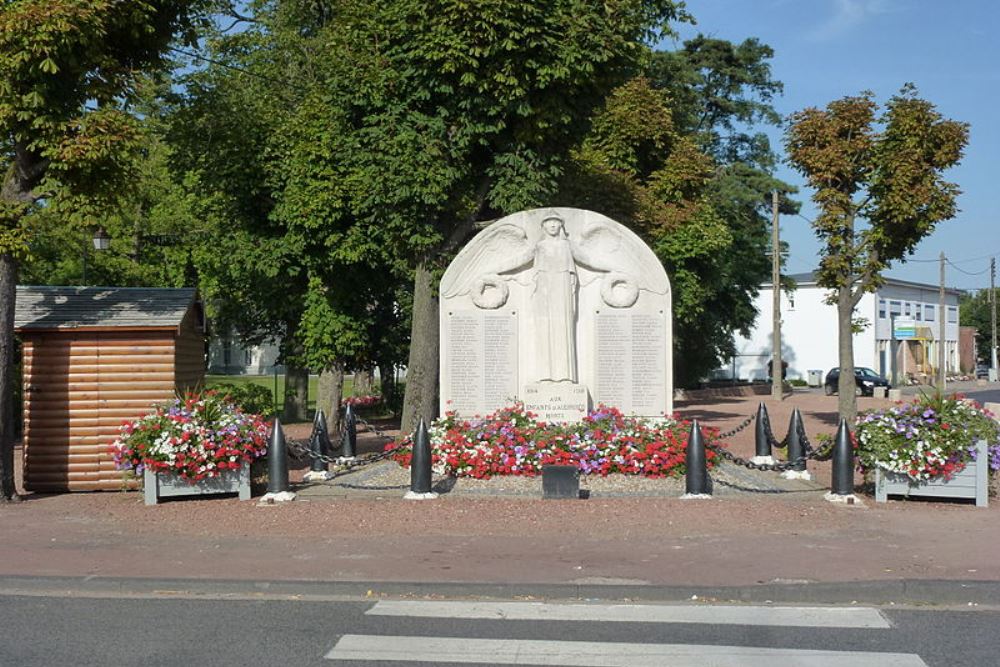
(805, 617)
(438, 650)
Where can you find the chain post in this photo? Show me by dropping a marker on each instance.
(843, 461)
(420, 465)
(796, 448)
(277, 461)
(316, 445)
(350, 436)
(696, 478)
(763, 449)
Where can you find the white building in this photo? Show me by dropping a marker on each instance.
(809, 332)
(229, 355)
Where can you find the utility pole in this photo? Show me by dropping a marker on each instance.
(941, 328)
(777, 368)
(993, 318)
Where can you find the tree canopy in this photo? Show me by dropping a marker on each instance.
(880, 189)
(68, 71)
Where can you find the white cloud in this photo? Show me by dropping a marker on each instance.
(849, 14)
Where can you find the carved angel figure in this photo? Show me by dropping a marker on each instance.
(502, 253)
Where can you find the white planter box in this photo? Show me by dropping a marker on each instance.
(971, 483)
(168, 485)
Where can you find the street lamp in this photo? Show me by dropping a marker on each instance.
(101, 239)
(101, 242)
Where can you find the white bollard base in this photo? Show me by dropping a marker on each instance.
(275, 498)
(317, 476)
(346, 459)
(797, 474)
(763, 460)
(849, 499)
(413, 495)
(696, 496)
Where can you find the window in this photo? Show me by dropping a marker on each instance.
(952, 314)
(906, 308)
(929, 313)
(881, 309)
(895, 308)
(918, 312)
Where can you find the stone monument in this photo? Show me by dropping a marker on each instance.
(562, 309)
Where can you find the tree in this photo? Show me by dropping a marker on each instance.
(636, 167)
(67, 72)
(719, 92)
(879, 189)
(975, 311)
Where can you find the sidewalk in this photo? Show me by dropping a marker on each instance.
(755, 542)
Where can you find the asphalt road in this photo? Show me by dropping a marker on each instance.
(54, 630)
(985, 395)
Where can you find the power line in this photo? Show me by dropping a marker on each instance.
(968, 273)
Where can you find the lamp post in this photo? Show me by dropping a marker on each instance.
(101, 241)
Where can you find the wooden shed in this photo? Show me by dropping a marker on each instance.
(95, 357)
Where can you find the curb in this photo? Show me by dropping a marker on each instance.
(899, 591)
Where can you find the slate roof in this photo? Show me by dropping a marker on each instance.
(100, 307)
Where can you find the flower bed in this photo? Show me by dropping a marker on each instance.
(929, 438)
(368, 401)
(197, 437)
(512, 442)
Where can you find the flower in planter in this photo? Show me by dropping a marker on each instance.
(512, 441)
(198, 436)
(930, 437)
(363, 401)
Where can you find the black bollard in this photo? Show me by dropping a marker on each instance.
(796, 450)
(277, 460)
(761, 429)
(317, 446)
(326, 445)
(350, 439)
(843, 462)
(420, 462)
(696, 480)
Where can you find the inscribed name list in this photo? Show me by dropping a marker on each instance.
(481, 361)
(631, 364)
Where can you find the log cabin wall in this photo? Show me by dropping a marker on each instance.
(81, 383)
(80, 387)
(189, 352)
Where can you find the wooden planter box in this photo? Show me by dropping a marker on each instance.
(168, 485)
(971, 483)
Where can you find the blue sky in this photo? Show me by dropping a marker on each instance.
(826, 49)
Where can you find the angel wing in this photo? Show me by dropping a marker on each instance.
(498, 249)
(615, 249)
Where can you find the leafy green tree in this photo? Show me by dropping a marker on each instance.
(67, 72)
(720, 92)
(879, 188)
(453, 112)
(975, 310)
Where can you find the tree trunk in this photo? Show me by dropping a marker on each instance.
(296, 393)
(296, 399)
(8, 292)
(422, 369)
(364, 382)
(847, 403)
(387, 380)
(329, 391)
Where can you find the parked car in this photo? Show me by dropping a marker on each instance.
(865, 381)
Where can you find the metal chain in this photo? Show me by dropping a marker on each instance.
(769, 434)
(729, 434)
(377, 432)
(811, 454)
